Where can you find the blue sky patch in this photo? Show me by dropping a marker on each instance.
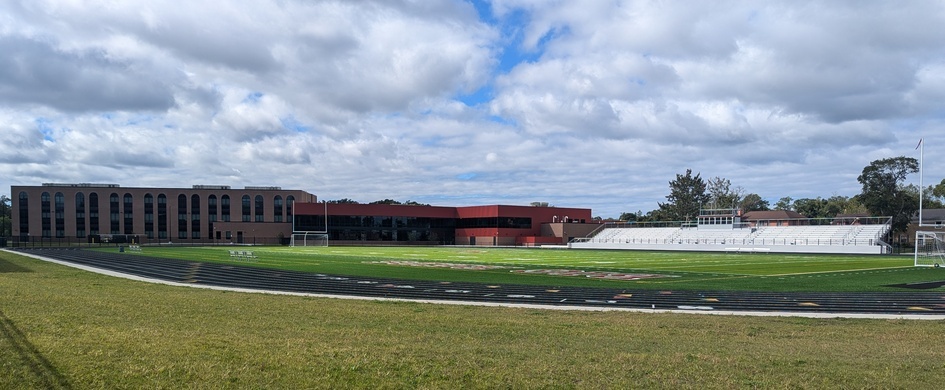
(482, 95)
(292, 124)
(253, 97)
(512, 52)
(466, 176)
(44, 125)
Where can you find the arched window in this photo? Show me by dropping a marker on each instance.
(162, 216)
(277, 208)
(94, 228)
(212, 208)
(149, 215)
(247, 206)
(24, 214)
(128, 209)
(225, 208)
(182, 216)
(114, 213)
(46, 211)
(79, 215)
(259, 208)
(60, 200)
(289, 200)
(195, 216)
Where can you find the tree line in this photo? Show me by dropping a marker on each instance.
(382, 201)
(6, 216)
(884, 193)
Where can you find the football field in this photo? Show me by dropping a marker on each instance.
(587, 268)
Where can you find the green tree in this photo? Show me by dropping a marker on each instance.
(785, 203)
(884, 193)
(655, 216)
(837, 205)
(385, 201)
(826, 208)
(811, 208)
(687, 196)
(853, 206)
(929, 200)
(630, 217)
(343, 201)
(394, 202)
(938, 190)
(934, 196)
(753, 202)
(721, 194)
(6, 216)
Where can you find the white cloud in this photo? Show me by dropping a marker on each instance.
(583, 104)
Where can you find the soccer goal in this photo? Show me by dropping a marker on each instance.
(929, 249)
(309, 239)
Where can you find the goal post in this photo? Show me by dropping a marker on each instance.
(309, 239)
(929, 249)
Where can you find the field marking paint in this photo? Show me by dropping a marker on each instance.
(667, 281)
(839, 272)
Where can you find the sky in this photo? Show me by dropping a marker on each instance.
(588, 104)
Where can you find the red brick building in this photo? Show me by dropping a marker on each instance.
(88, 212)
(472, 225)
(95, 213)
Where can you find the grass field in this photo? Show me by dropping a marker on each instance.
(678, 270)
(63, 328)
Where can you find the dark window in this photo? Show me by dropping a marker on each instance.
(225, 208)
(128, 208)
(247, 212)
(162, 216)
(181, 216)
(381, 228)
(289, 200)
(259, 208)
(93, 214)
(195, 216)
(24, 215)
(149, 215)
(60, 215)
(45, 211)
(80, 215)
(114, 213)
(212, 208)
(277, 209)
(496, 222)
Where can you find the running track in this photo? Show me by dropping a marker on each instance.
(924, 305)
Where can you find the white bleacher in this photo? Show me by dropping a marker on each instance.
(867, 234)
(861, 239)
(803, 235)
(713, 236)
(656, 235)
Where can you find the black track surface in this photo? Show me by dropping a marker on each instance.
(239, 276)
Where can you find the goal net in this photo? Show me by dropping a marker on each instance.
(308, 239)
(929, 249)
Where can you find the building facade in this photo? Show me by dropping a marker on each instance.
(494, 225)
(89, 212)
(62, 213)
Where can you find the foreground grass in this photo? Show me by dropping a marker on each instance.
(687, 270)
(66, 328)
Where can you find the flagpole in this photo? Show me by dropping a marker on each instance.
(921, 157)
